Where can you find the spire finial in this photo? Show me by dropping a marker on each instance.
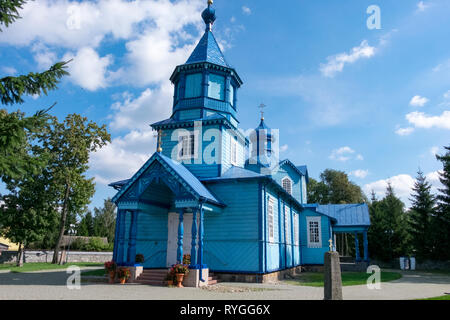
(209, 16)
(262, 106)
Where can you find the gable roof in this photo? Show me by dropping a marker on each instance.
(301, 170)
(208, 50)
(347, 214)
(180, 172)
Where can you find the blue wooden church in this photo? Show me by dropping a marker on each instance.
(216, 194)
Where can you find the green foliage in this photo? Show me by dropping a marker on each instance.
(9, 11)
(16, 135)
(69, 144)
(441, 222)
(334, 187)
(12, 89)
(15, 128)
(105, 220)
(86, 226)
(95, 244)
(388, 234)
(420, 217)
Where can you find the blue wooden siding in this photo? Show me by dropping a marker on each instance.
(231, 237)
(314, 255)
(189, 114)
(288, 171)
(152, 236)
(281, 254)
(226, 151)
(200, 167)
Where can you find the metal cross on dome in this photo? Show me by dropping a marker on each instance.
(262, 106)
(159, 135)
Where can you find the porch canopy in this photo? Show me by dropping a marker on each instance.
(349, 218)
(167, 184)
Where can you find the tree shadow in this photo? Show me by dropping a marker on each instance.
(44, 278)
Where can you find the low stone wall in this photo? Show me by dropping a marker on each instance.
(47, 256)
(420, 265)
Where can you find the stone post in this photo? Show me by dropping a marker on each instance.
(332, 277)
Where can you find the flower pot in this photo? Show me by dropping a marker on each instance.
(123, 280)
(180, 277)
(170, 283)
(112, 276)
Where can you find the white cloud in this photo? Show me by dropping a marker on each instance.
(342, 154)
(246, 10)
(404, 131)
(126, 154)
(73, 24)
(10, 71)
(422, 6)
(421, 120)
(337, 62)
(360, 173)
(154, 32)
(434, 150)
(88, 69)
(447, 95)
(359, 157)
(418, 101)
(121, 158)
(151, 106)
(402, 185)
(284, 148)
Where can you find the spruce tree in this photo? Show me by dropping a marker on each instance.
(420, 215)
(14, 127)
(441, 223)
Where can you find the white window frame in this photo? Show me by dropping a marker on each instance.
(296, 235)
(309, 221)
(287, 224)
(233, 151)
(270, 219)
(189, 155)
(290, 184)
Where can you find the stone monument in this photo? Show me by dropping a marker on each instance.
(332, 275)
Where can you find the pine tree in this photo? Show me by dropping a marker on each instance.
(420, 215)
(388, 236)
(14, 127)
(441, 223)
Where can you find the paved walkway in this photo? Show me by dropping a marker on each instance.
(52, 285)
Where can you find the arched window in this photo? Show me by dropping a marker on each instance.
(287, 184)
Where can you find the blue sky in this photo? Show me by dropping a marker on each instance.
(374, 103)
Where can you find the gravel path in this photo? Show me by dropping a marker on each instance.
(52, 285)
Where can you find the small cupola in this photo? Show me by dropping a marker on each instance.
(206, 85)
(261, 140)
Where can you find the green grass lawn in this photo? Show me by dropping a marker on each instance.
(445, 297)
(98, 273)
(28, 267)
(348, 278)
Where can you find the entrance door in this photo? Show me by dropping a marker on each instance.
(172, 236)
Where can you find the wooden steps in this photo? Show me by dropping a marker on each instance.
(156, 277)
(212, 279)
(153, 277)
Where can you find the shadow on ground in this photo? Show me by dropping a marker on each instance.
(44, 278)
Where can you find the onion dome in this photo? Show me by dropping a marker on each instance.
(209, 15)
